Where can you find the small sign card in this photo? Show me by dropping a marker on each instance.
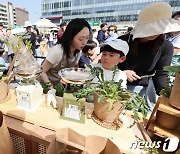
(73, 110)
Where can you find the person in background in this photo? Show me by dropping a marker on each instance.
(2, 38)
(38, 37)
(97, 55)
(129, 30)
(51, 39)
(66, 53)
(30, 36)
(112, 33)
(101, 37)
(61, 30)
(5, 66)
(113, 53)
(10, 52)
(175, 40)
(149, 51)
(2, 33)
(88, 51)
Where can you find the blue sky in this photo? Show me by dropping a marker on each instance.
(32, 6)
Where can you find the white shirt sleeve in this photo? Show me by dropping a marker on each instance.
(55, 54)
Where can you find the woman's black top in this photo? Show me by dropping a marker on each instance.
(145, 63)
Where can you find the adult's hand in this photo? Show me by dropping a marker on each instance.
(131, 75)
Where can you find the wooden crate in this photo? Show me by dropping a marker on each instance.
(29, 138)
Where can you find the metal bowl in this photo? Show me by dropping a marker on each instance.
(22, 74)
(74, 75)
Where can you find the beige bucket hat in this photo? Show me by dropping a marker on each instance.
(155, 19)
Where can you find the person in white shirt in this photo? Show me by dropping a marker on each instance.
(113, 53)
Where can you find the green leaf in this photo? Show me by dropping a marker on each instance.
(101, 98)
(172, 68)
(2, 65)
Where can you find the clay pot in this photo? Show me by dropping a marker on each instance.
(4, 90)
(102, 113)
(166, 120)
(174, 99)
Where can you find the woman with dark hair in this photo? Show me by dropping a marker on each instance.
(67, 51)
(149, 52)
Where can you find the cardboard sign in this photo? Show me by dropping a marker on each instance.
(73, 110)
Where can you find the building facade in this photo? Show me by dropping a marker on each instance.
(21, 15)
(7, 14)
(109, 11)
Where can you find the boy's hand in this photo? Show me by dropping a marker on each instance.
(131, 75)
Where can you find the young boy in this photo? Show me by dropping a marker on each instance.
(113, 52)
(88, 51)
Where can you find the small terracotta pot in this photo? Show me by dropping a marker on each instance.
(102, 113)
(174, 99)
(4, 90)
(166, 120)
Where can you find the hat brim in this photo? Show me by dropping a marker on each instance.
(155, 28)
(27, 26)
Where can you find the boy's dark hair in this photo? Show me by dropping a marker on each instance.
(108, 48)
(90, 45)
(103, 24)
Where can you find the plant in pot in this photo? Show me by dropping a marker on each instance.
(171, 95)
(15, 44)
(174, 98)
(110, 99)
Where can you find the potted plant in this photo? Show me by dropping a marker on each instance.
(110, 99)
(174, 98)
(171, 95)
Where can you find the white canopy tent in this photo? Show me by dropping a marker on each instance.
(45, 24)
(18, 30)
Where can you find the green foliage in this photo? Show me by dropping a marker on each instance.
(112, 91)
(173, 68)
(59, 88)
(2, 77)
(46, 87)
(18, 46)
(167, 90)
(1, 67)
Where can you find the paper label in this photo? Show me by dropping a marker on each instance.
(71, 111)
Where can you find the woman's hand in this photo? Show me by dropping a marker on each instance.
(131, 75)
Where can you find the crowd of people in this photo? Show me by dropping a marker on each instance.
(140, 54)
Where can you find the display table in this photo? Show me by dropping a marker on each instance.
(48, 117)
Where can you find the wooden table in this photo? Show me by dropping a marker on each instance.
(48, 117)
